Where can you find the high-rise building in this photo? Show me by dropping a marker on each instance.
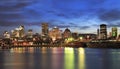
(30, 33)
(6, 34)
(110, 34)
(13, 33)
(21, 31)
(16, 33)
(103, 31)
(114, 32)
(45, 29)
(55, 33)
(98, 34)
(67, 33)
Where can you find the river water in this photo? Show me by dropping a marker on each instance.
(59, 58)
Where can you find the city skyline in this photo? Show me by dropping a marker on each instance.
(45, 30)
(83, 16)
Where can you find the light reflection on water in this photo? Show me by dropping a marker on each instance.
(59, 58)
(81, 59)
(69, 58)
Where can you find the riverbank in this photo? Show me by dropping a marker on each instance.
(74, 45)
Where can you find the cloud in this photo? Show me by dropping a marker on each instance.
(8, 24)
(84, 27)
(14, 5)
(69, 25)
(18, 23)
(80, 14)
(111, 15)
(113, 24)
(12, 12)
(75, 8)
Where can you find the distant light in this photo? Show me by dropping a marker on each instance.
(16, 28)
(81, 38)
(69, 40)
(55, 27)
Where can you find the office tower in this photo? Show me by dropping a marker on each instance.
(13, 34)
(30, 33)
(110, 34)
(67, 33)
(103, 31)
(6, 34)
(55, 33)
(45, 29)
(21, 31)
(16, 32)
(114, 32)
(98, 33)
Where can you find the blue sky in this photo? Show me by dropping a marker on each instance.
(82, 16)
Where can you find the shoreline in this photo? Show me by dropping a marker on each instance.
(81, 44)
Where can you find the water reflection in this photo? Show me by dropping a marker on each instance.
(81, 58)
(69, 58)
(56, 58)
(12, 61)
(59, 58)
(113, 59)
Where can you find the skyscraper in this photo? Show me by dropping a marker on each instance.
(103, 31)
(21, 31)
(15, 33)
(6, 34)
(45, 29)
(98, 34)
(30, 33)
(55, 33)
(114, 32)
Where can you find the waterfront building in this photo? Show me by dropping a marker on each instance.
(98, 34)
(45, 29)
(110, 34)
(55, 33)
(21, 31)
(15, 33)
(6, 34)
(75, 35)
(87, 36)
(114, 32)
(30, 33)
(103, 31)
(67, 33)
(18, 32)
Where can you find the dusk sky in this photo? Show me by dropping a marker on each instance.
(82, 16)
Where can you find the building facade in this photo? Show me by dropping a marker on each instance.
(21, 31)
(6, 34)
(98, 34)
(55, 33)
(45, 29)
(103, 31)
(18, 32)
(15, 33)
(114, 32)
(67, 33)
(30, 33)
